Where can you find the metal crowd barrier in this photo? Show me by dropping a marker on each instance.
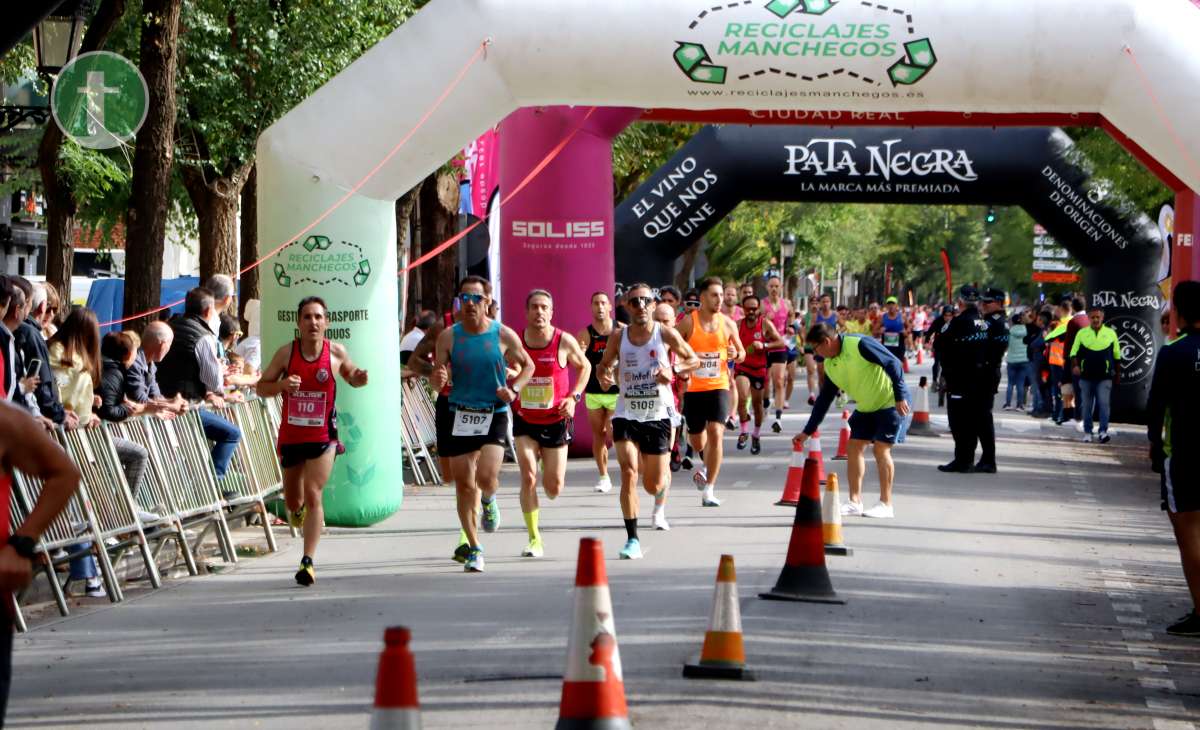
(419, 430)
(180, 485)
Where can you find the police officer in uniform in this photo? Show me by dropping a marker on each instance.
(997, 337)
(962, 348)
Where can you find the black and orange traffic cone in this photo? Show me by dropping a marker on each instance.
(795, 477)
(804, 576)
(843, 437)
(593, 693)
(396, 706)
(723, 655)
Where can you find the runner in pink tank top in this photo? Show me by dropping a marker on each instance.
(778, 311)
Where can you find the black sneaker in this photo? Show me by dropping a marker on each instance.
(956, 468)
(755, 445)
(676, 462)
(1104, 437)
(730, 424)
(742, 439)
(461, 553)
(1189, 625)
(686, 463)
(983, 468)
(776, 427)
(306, 576)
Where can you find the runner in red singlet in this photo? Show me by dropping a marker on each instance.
(303, 372)
(759, 337)
(542, 422)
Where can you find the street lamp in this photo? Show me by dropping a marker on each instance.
(787, 247)
(57, 38)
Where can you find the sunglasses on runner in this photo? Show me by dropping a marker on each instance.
(691, 304)
(471, 298)
(640, 302)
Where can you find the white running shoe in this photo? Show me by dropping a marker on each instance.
(852, 509)
(700, 478)
(604, 485)
(880, 511)
(659, 520)
(709, 499)
(1087, 438)
(147, 517)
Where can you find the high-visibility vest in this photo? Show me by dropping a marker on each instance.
(1058, 353)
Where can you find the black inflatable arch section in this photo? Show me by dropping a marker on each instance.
(1035, 168)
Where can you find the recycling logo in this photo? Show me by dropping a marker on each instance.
(804, 42)
(322, 261)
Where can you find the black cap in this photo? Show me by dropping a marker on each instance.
(968, 293)
(992, 294)
(947, 310)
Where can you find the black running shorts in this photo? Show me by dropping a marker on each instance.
(709, 406)
(652, 438)
(451, 445)
(547, 435)
(296, 454)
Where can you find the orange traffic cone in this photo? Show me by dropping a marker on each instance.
(723, 655)
(920, 422)
(795, 477)
(804, 576)
(593, 694)
(396, 705)
(920, 355)
(831, 519)
(814, 453)
(843, 437)
(905, 361)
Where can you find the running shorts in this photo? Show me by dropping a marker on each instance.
(793, 355)
(758, 379)
(876, 426)
(777, 357)
(652, 438)
(1180, 491)
(596, 401)
(709, 406)
(441, 422)
(296, 454)
(547, 435)
(451, 445)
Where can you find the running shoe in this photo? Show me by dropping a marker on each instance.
(491, 515)
(730, 424)
(462, 552)
(296, 519)
(812, 400)
(603, 486)
(709, 500)
(676, 462)
(686, 463)
(147, 517)
(1189, 625)
(94, 588)
(1104, 437)
(659, 520)
(766, 402)
(533, 549)
(700, 478)
(956, 468)
(776, 427)
(474, 562)
(1087, 438)
(755, 445)
(880, 511)
(306, 576)
(632, 550)
(850, 508)
(742, 439)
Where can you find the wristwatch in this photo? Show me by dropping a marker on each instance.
(578, 397)
(23, 544)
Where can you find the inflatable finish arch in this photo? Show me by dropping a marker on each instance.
(720, 167)
(975, 56)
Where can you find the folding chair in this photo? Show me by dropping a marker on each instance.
(107, 498)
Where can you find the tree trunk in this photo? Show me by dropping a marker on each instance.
(439, 217)
(405, 209)
(248, 282)
(215, 200)
(146, 220)
(683, 279)
(60, 198)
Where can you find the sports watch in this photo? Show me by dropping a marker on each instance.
(23, 544)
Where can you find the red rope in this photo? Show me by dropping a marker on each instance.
(479, 53)
(537, 170)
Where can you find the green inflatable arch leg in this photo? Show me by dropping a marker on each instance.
(349, 260)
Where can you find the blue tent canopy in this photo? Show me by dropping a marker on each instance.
(107, 297)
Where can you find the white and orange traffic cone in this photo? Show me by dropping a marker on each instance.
(723, 655)
(920, 421)
(396, 705)
(795, 477)
(843, 437)
(814, 453)
(831, 519)
(593, 693)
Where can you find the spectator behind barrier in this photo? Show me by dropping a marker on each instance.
(8, 353)
(413, 337)
(31, 345)
(190, 370)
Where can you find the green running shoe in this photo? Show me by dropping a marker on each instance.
(462, 552)
(491, 515)
(296, 519)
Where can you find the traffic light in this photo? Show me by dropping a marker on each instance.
(990, 218)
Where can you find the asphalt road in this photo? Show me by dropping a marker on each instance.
(1032, 598)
